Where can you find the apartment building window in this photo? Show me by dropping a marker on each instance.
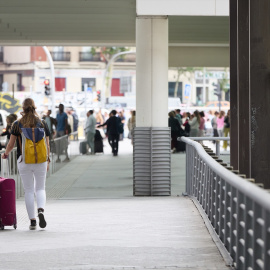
(58, 54)
(91, 84)
(125, 84)
(172, 89)
(88, 55)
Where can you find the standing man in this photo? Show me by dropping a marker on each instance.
(75, 124)
(90, 130)
(178, 116)
(50, 121)
(113, 125)
(61, 130)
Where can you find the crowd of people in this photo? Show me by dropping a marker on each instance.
(198, 124)
(113, 125)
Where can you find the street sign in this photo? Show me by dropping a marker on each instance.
(187, 91)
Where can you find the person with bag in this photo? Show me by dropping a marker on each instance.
(114, 125)
(90, 130)
(33, 151)
(173, 123)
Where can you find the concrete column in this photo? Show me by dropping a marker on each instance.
(151, 155)
(152, 72)
(234, 85)
(253, 83)
(260, 90)
(243, 88)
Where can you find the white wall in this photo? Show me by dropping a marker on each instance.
(17, 54)
(183, 7)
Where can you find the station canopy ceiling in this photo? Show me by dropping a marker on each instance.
(97, 22)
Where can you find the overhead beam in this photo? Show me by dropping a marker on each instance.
(199, 56)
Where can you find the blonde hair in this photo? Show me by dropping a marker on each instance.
(197, 114)
(29, 115)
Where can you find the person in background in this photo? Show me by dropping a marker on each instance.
(113, 131)
(194, 124)
(50, 121)
(123, 120)
(202, 123)
(90, 130)
(178, 116)
(75, 124)
(70, 121)
(99, 118)
(173, 123)
(214, 124)
(220, 124)
(132, 125)
(10, 119)
(186, 124)
(61, 130)
(227, 125)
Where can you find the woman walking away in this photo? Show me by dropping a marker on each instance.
(33, 134)
(220, 124)
(194, 124)
(227, 124)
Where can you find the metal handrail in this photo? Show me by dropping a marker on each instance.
(238, 210)
(216, 139)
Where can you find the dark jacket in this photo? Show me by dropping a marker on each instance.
(112, 125)
(174, 125)
(227, 122)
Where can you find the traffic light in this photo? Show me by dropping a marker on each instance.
(217, 92)
(47, 87)
(98, 96)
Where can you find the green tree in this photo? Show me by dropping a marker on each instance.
(224, 81)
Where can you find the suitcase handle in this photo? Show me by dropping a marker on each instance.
(6, 161)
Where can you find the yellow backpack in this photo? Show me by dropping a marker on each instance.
(33, 145)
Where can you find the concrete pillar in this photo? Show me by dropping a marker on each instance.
(260, 90)
(152, 72)
(234, 156)
(253, 84)
(152, 156)
(243, 88)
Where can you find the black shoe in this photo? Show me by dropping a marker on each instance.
(33, 225)
(42, 221)
(115, 154)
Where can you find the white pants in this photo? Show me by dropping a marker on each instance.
(33, 178)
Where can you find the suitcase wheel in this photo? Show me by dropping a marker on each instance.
(15, 226)
(2, 227)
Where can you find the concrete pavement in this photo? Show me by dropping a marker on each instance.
(94, 222)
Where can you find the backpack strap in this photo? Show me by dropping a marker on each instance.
(34, 141)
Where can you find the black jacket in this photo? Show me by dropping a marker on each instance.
(174, 125)
(112, 125)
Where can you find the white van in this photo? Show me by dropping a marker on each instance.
(3, 125)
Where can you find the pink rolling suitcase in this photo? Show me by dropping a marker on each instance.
(7, 202)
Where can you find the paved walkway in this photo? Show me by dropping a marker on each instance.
(94, 222)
